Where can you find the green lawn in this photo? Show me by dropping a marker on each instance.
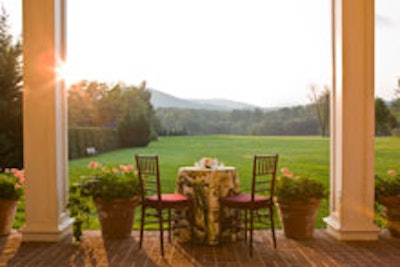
(303, 155)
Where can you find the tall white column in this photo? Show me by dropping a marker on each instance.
(45, 124)
(352, 133)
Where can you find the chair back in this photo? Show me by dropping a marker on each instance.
(264, 176)
(149, 175)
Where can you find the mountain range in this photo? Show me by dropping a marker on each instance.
(162, 100)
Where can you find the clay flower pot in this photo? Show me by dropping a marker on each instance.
(8, 208)
(298, 217)
(116, 216)
(391, 209)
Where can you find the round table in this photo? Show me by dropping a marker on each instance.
(205, 186)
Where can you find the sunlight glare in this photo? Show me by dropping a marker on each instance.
(63, 72)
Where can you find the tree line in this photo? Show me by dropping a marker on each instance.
(311, 119)
(298, 120)
(11, 150)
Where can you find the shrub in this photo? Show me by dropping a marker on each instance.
(387, 185)
(292, 188)
(11, 184)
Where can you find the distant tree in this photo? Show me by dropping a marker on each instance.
(395, 105)
(299, 120)
(110, 108)
(321, 104)
(126, 108)
(11, 139)
(385, 121)
(83, 103)
(135, 129)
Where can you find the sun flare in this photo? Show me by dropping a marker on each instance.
(63, 72)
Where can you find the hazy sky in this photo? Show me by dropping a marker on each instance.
(262, 52)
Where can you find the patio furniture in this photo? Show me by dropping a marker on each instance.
(261, 198)
(205, 186)
(149, 179)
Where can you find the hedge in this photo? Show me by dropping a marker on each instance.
(81, 138)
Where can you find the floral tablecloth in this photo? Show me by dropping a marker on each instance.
(205, 186)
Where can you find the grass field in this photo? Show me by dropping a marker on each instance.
(308, 156)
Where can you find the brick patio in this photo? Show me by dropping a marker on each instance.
(322, 250)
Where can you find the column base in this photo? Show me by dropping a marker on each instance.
(363, 234)
(63, 230)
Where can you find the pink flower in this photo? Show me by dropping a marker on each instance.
(20, 175)
(286, 172)
(93, 165)
(391, 172)
(17, 176)
(126, 168)
(115, 170)
(21, 179)
(17, 173)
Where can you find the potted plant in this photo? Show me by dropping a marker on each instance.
(298, 200)
(387, 193)
(11, 190)
(115, 192)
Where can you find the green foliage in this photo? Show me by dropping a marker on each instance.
(300, 120)
(387, 185)
(109, 186)
(11, 143)
(310, 119)
(80, 138)
(300, 188)
(104, 182)
(126, 109)
(79, 208)
(135, 128)
(11, 182)
(109, 182)
(385, 121)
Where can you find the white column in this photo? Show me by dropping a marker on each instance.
(352, 133)
(45, 124)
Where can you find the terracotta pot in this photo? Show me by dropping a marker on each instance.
(298, 218)
(391, 210)
(8, 208)
(116, 217)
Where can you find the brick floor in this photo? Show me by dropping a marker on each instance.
(322, 250)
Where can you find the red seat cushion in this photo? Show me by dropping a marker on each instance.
(169, 198)
(243, 198)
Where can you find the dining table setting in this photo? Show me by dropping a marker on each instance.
(205, 183)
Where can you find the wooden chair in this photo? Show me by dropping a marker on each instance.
(261, 198)
(151, 197)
